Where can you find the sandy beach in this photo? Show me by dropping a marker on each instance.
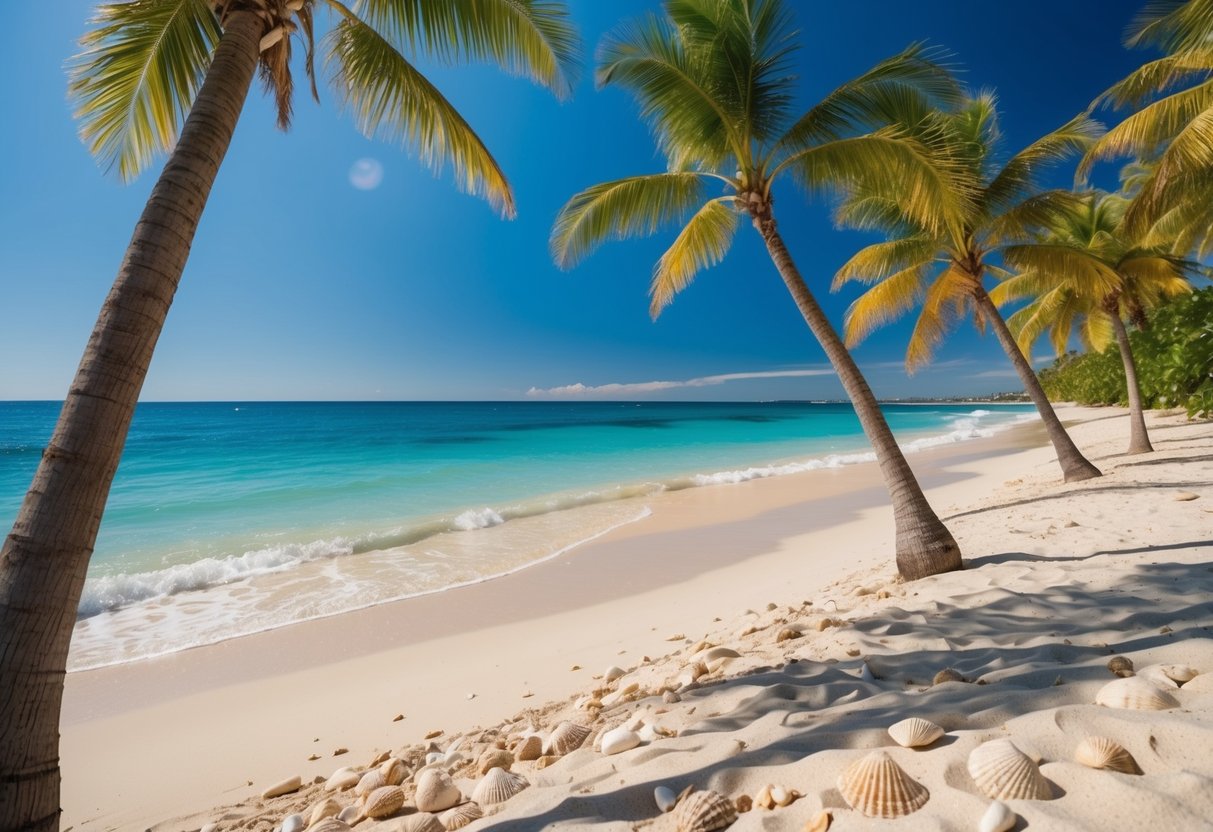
(793, 574)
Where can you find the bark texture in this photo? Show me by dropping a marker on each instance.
(45, 557)
(924, 545)
(1074, 466)
(1139, 439)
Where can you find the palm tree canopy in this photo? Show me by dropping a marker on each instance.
(940, 265)
(713, 81)
(142, 64)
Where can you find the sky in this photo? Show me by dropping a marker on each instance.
(329, 266)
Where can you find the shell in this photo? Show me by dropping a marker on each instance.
(998, 818)
(394, 771)
(915, 732)
(1003, 772)
(498, 786)
(1201, 684)
(383, 802)
(612, 673)
(350, 815)
(370, 781)
(820, 822)
(1101, 752)
(494, 758)
(421, 822)
(329, 825)
(531, 748)
(717, 653)
(342, 779)
(1179, 673)
(436, 791)
(1136, 693)
(665, 798)
(704, 812)
(460, 816)
(879, 788)
(327, 808)
(1121, 666)
(618, 740)
(947, 675)
(567, 737)
(293, 823)
(291, 784)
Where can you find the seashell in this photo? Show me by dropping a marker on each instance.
(434, 758)
(717, 653)
(1136, 693)
(293, 823)
(394, 771)
(436, 791)
(291, 784)
(498, 786)
(665, 798)
(704, 812)
(329, 825)
(1200, 684)
(1121, 666)
(383, 802)
(820, 822)
(327, 808)
(342, 779)
(623, 693)
(915, 732)
(997, 818)
(494, 758)
(763, 799)
(1101, 752)
(783, 796)
(879, 788)
(421, 822)
(1179, 673)
(350, 815)
(531, 748)
(370, 781)
(547, 760)
(1003, 772)
(670, 697)
(744, 803)
(947, 675)
(209, 827)
(567, 737)
(453, 759)
(460, 816)
(612, 673)
(618, 740)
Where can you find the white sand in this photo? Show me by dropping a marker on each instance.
(1059, 577)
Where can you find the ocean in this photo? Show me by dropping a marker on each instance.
(232, 518)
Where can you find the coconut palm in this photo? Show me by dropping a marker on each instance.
(1088, 274)
(711, 78)
(942, 266)
(147, 67)
(1173, 120)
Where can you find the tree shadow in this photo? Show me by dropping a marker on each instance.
(1044, 498)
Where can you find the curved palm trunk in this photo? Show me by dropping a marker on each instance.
(1139, 439)
(924, 545)
(1074, 466)
(44, 558)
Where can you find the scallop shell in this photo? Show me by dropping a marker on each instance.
(1136, 693)
(915, 732)
(370, 781)
(498, 786)
(494, 758)
(421, 822)
(531, 748)
(704, 812)
(567, 737)
(383, 802)
(460, 816)
(1003, 772)
(879, 788)
(998, 818)
(394, 771)
(329, 825)
(1156, 676)
(1101, 752)
(327, 808)
(436, 791)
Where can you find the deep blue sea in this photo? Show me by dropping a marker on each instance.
(229, 518)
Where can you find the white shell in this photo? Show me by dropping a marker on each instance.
(612, 673)
(460, 816)
(1200, 684)
(531, 748)
(326, 825)
(1101, 752)
(370, 781)
(1136, 693)
(498, 786)
(618, 740)
(715, 653)
(342, 779)
(421, 822)
(879, 788)
(998, 818)
(664, 798)
(1158, 677)
(327, 808)
(566, 738)
(618, 696)
(394, 771)
(348, 815)
(915, 732)
(294, 823)
(291, 784)
(383, 802)
(1003, 772)
(704, 812)
(436, 791)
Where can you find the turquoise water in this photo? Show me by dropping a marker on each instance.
(250, 515)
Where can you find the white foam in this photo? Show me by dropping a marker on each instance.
(477, 518)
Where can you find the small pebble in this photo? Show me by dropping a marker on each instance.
(397, 717)
(337, 752)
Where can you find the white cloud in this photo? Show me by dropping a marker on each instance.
(617, 389)
(366, 174)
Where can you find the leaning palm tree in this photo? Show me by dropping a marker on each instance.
(711, 79)
(146, 67)
(942, 266)
(1087, 273)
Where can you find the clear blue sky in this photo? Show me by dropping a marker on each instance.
(301, 286)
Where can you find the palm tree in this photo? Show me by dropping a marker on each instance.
(147, 66)
(711, 79)
(1172, 125)
(943, 266)
(1088, 270)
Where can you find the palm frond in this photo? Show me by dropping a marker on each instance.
(137, 76)
(702, 243)
(631, 207)
(1187, 159)
(1147, 129)
(1032, 215)
(390, 98)
(1033, 320)
(942, 305)
(879, 260)
(1028, 283)
(1096, 331)
(1066, 264)
(1172, 25)
(1158, 77)
(530, 38)
(1020, 175)
(885, 302)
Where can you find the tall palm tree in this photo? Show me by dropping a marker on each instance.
(147, 66)
(711, 78)
(1173, 120)
(1088, 271)
(943, 266)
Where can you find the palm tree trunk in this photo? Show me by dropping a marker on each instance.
(924, 545)
(45, 557)
(1139, 439)
(1074, 466)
